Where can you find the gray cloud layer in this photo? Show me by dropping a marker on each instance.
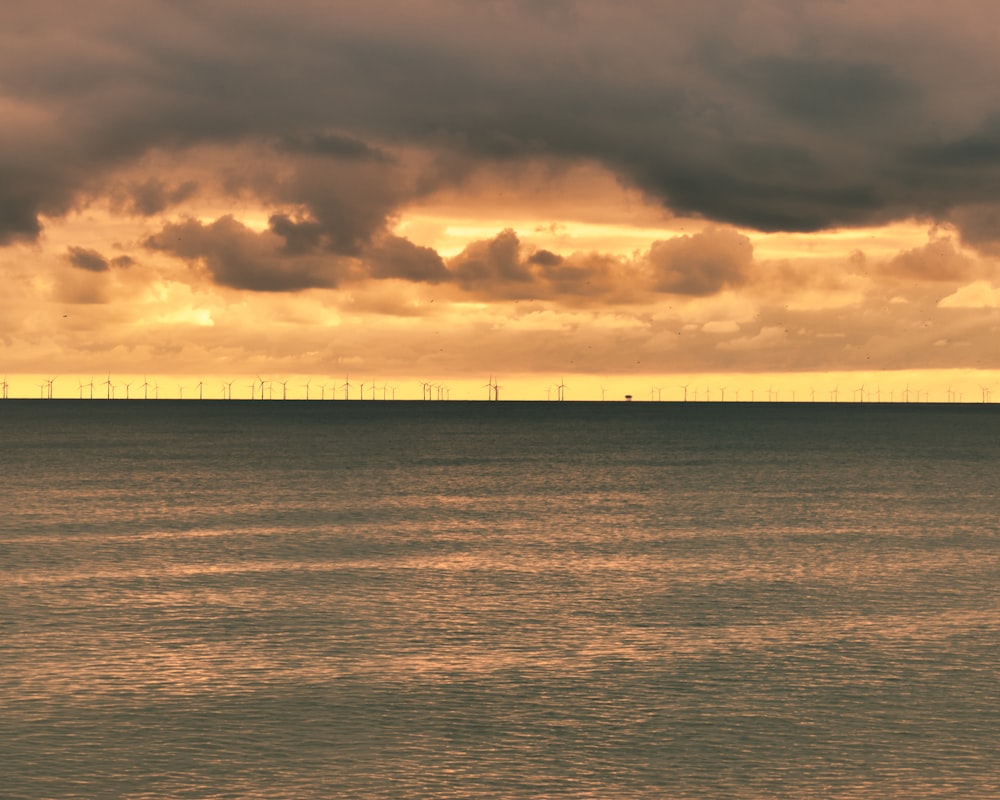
(773, 115)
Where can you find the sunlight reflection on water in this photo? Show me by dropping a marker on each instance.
(606, 605)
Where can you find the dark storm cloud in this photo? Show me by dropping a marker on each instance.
(331, 145)
(834, 94)
(153, 196)
(90, 260)
(396, 257)
(700, 265)
(979, 226)
(301, 236)
(545, 258)
(94, 261)
(703, 264)
(977, 150)
(241, 258)
(774, 115)
(493, 263)
(502, 267)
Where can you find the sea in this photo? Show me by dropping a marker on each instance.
(408, 600)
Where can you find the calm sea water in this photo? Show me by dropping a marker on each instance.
(499, 600)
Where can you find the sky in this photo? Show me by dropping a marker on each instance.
(767, 199)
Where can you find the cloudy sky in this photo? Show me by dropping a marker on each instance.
(627, 195)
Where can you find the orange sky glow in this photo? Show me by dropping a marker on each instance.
(791, 205)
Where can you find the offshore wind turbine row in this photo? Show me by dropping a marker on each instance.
(258, 389)
(263, 388)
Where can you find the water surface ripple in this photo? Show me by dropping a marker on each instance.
(498, 600)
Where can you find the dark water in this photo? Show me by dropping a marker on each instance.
(498, 600)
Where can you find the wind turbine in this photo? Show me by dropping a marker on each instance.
(82, 384)
(180, 392)
(201, 388)
(284, 390)
(685, 388)
(5, 385)
(347, 387)
(230, 385)
(306, 384)
(561, 389)
(145, 388)
(722, 394)
(50, 381)
(111, 387)
(91, 384)
(127, 385)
